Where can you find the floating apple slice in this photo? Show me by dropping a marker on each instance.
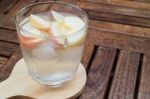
(30, 44)
(77, 34)
(74, 22)
(39, 23)
(30, 37)
(57, 16)
(56, 35)
(76, 39)
(70, 28)
(30, 32)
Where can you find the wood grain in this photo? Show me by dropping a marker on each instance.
(6, 49)
(121, 24)
(5, 5)
(117, 40)
(21, 83)
(69, 1)
(45, 0)
(7, 69)
(124, 81)
(7, 22)
(20, 4)
(87, 53)
(129, 3)
(39, 8)
(117, 18)
(123, 3)
(144, 89)
(99, 74)
(8, 36)
(143, 1)
(114, 9)
(121, 28)
(3, 61)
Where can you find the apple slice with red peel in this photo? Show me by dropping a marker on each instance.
(56, 35)
(30, 37)
(39, 23)
(29, 44)
(71, 29)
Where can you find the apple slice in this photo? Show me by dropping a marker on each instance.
(30, 37)
(39, 23)
(77, 34)
(74, 22)
(29, 44)
(57, 16)
(56, 35)
(29, 31)
(67, 31)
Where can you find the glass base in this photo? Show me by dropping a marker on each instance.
(52, 84)
(56, 83)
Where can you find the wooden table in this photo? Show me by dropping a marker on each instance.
(117, 51)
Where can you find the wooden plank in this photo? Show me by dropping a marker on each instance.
(45, 0)
(5, 5)
(8, 36)
(143, 1)
(40, 8)
(123, 19)
(87, 53)
(133, 4)
(99, 73)
(114, 9)
(7, 22)
(3, 61)
(15, 85)
(7, 68)
(117, 40)
(144, 89)
(123, 3)
(123, 85)
(69, 1)
(121, 28)
(22, 3)
(6, 49)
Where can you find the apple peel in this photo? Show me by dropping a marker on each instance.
(69, 32)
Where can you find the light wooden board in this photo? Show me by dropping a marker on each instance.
(20, 83)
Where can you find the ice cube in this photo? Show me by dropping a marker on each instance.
(45, 51)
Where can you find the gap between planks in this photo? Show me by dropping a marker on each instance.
(99, 73)
(144, 87)
(124, 82)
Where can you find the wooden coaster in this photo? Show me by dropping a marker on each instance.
(20, 83)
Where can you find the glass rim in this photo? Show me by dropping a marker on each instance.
(57, 2)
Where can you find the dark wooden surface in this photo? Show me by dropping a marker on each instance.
(117, 48)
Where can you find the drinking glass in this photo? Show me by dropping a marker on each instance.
(48, 62)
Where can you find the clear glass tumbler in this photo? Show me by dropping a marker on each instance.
(51, 36)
